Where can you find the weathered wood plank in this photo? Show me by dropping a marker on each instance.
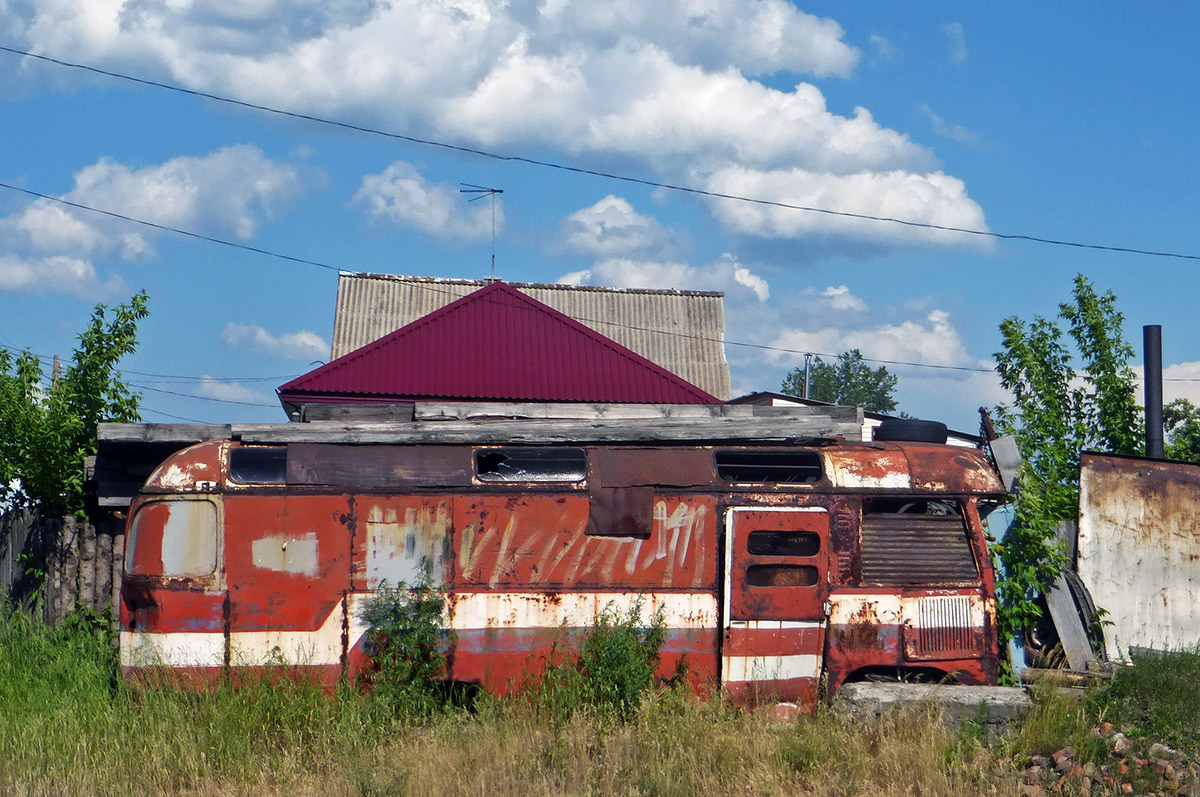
(772, 430)
(358, 412)
(450, 411)
(1070, 628)
(161, 432)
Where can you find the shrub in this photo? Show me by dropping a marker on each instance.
(406, 638)
(614, 669)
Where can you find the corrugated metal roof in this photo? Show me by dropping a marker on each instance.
(494, 344)
(682, 331)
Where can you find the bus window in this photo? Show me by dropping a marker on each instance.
(173, 538)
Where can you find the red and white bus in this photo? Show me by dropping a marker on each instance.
(775, 567)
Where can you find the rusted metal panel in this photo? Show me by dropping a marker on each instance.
(950, 469)
(921, 467)
(541, 543)
(1139, 550)
(646, 466)
(620, 511)
(199, 468)
(380, 467)
(916, 549)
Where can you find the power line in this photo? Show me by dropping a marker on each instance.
(140, 386)
(589, 172)
(166, 228)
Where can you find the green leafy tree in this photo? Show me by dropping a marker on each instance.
(1058, 411)
(46, 431)
(848, 382)
(1182, 421)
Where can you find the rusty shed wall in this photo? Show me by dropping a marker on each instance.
(679, 330)
(1139, 549)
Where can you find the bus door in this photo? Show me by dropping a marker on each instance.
(287, 564)
(776, 587)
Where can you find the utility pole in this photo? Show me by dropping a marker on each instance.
(807, 357)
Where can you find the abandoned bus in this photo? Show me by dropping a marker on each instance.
(773, 567)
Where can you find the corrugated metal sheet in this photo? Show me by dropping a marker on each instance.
(680, 331)
(916, 549)
(1139, 549)
(495, 344)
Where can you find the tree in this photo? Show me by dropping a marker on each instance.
(1058, 411)
(847, 382)
(46, 431)
(1182, 421)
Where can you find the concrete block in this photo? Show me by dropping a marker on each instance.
(997, 706)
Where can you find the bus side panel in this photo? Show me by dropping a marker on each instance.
(528, 579)
(287, 565)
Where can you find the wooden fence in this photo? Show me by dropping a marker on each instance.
(79, 564)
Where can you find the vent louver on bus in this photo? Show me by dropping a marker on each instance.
(916, 549)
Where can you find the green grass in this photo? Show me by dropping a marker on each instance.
(1158, 696)
(70, 725)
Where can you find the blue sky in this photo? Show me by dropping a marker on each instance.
(1072, 123)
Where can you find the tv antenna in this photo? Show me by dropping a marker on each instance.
(481, 192)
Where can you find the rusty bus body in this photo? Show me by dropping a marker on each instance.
(773, 567)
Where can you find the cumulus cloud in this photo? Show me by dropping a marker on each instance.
(956, 40)
(400, 194)
(57, 274)
(839, 298)
(946, 130)
(726, 274)
(213, 388)
(664, 86)
(932, 340)
(227, 193)
(933, 198)
(1180, 380)
(302, 345)
(834, 319)
(611, 227)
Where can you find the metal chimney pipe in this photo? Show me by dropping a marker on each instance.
(1152, 349)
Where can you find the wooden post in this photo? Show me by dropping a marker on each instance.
(87, 565)
(69, 546)
(118, 559)
(102, 599)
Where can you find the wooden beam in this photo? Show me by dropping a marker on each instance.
(462, 411)
(183, 433)
(547, 431)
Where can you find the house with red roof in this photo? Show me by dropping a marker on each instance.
(497, 344)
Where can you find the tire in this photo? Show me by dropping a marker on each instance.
(905, 429)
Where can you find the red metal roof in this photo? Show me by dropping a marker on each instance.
(496, 344)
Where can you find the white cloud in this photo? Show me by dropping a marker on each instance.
(840, 298)
(1180, 380)
(884, 49)
(303, 345)
(50, 247)
(228, 192)
(946, 130)
(726, 274)
(933, 198)
(57, 274)
(932, 340)
(664, 86)
(956, 39)
(210, 387)
(756, 37)
(611, 227)
(401, 195)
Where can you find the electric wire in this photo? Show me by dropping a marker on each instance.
(589, 172)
